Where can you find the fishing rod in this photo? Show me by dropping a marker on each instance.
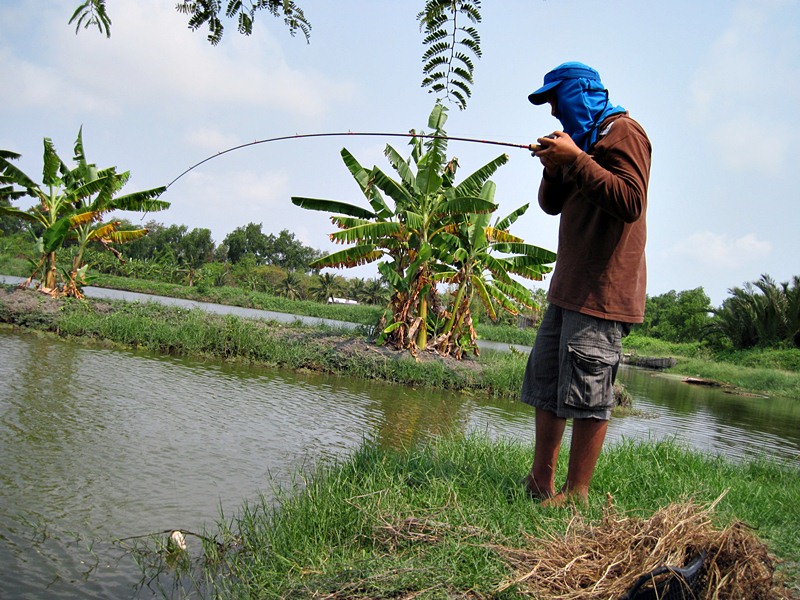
(529, 147)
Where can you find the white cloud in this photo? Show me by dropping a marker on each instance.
(718, 251)
(41, 87)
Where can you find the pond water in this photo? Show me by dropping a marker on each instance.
(98, 445)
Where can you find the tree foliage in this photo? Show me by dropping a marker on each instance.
(8, 224)
(291, 287)
(207, 12)
(92, 13)
(677, 316)
(368, 291)
(326, 286)
(174, 243)
(283, 250)
(762, 313)
(452, 45)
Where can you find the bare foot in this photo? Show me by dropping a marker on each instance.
(536, 491)
(562, 499)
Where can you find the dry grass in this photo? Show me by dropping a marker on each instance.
(605, 560)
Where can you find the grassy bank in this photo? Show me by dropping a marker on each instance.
(363, 314)
(774, 372)
(233, 296)
(196, 333)
(183, 332)
(449, 519)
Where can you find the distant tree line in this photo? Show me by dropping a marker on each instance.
(247, 258)
(193, 249)
(760, 314)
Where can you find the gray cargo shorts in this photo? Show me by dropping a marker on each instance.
(572, 366)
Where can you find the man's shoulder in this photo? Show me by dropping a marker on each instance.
(620, 126)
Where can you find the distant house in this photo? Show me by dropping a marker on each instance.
(333, 300)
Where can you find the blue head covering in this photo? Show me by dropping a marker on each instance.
(582, 100)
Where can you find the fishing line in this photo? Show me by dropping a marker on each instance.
(529, 147)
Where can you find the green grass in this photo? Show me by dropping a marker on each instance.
(507, 334)
(363, 314)
(770, 371)
(347, 528)
(647, 346)
(761, 371)
(193, 332)
(758, 380)
(16, 267)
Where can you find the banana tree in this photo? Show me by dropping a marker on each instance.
(70, 210)
(86, 225)
(416, 234)
(423, 200)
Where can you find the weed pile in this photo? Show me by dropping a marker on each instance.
(605, 560)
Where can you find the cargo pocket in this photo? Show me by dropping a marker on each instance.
(591, 380)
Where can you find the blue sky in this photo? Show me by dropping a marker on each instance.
(715, 84)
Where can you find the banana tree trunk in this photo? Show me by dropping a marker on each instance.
(50, 275)
(422, 332)
(454, 314)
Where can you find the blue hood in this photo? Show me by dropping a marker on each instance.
(582, 101)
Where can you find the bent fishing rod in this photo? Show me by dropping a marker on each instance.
(529, 147)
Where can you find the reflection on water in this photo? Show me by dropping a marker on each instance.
(707, 418)
(98, 445)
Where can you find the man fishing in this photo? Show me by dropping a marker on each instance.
(595, 177)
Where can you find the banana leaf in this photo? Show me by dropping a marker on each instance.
(474, 182)
(369, 232)
(402, 167)
(467, 204)
(143, 201)
(510, 219)
(365, 182)
(127, 235)
(546, 256)
(349, 257)
(333, 206)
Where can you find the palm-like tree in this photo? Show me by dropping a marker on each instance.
(71, 209)
(325, 286)
(374, 292)
(762, 313)
(291, 287)
(419, 237)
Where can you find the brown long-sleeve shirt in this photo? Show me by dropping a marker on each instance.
(602, 199)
